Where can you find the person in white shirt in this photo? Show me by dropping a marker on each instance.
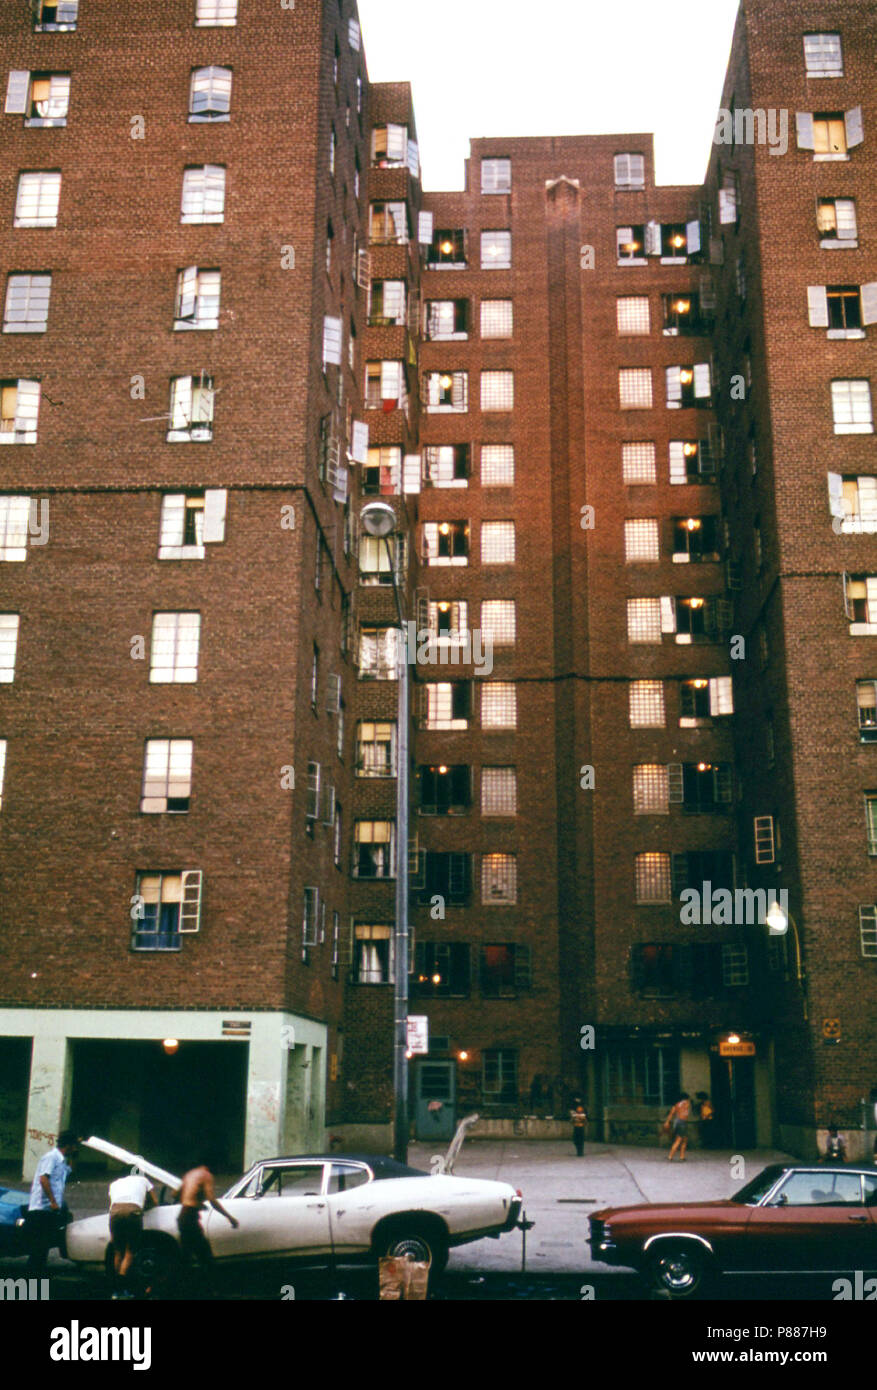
(129, 1196)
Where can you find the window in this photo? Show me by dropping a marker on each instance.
(14, 527)
(375, 561)
(632, 314)
(389, 146)
(2, 767)
(387, 304)
(498, 621)
(830, 134)
(630, 245)
(497, 390)
(652, 874)
(174, 655)
(638, 463)
(497, 542)
(641, 543)
(50, 16)
(447, 249)
(497, 465)
(866, 704)
(8, 646)
(373, 955)
(655, 969)
(197, 299)
(496, 176)
(695, 538)
(701, 787)
(740, 282)
(686, 315)
(167, 775)
(42, 97)
(446, 391)
(445, 705)
(447, 320)
(332, 147)
(868, 930)
(644, 620)
(823, 56)
(446, 621)
(851, 407)
(693, 867)
(382, 472)
(27, 303)
(499, 705)
(703, 699)
(836, 221)
(630, 171)
(499, 1075)
(438, 872)
(446, 465)
(871, 820)
(37, 200)
(170, 904)
(315, 675)
(441, 970)
(853, 499)
(689, 386)
(191, 409)
(446, 542)
(496, 250)
(203, 194)
(210, 94)
(860, 597)
(499, 879)
(842, 309)
(19, 411)
(374, 844)
(646, 705)
(641, 1073)
(216, 13)
(377, 653)
(496, 318)
(505, 970)
(499, 791)
(444, 790)
(385, 385)
(375, 749)
(635, 388)
(696, 619)
(189, 521)
(650, 790)
(693, 461)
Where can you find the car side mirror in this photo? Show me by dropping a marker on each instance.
(781, 1201)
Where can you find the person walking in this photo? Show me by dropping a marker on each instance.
(677, 1122)
(835, 1147)
(129, 1197)
(579, 1119)
(47, 1211)
(197, 1190)
(706, 1117)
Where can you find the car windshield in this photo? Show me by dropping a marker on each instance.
(752, 1192)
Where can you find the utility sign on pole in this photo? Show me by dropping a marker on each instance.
(418, 1033)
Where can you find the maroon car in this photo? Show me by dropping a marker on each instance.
(801, 1219)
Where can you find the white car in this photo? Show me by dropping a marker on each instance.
(316, 1208)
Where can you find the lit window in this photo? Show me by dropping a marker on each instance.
(499, 791)
(216, 13)
(496, 250)
(499, 878)
(210, 94)
(635, 388)
(27, 303)
(497, 390)
(497, 465)
(496, 175)
(174, 654)
(8, 645)
(851, 407)
(37, 200)
(630, 171)
(632, 314)
(19, 411)
(14, 524)
(372, 955)
(644, 620)
(446, 542)
(651, 789)
(375, 749)
(499, 705)
(498, 621)
(823, 56)
(374, 849)
(641, 541)
(653, 880)
(167, 775)
(197, 300)
(203, 194)
(630, 245)
(497, 542)
(646, 705)
(191, 408)
(688, 386)
(446, 392)
(638, 463)
(447, 249)
(496, 318)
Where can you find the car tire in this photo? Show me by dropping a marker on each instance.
(678, 1269)
(417, 1243)
(156, 1264)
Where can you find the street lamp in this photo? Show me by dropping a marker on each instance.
(379, 520)
(778, 921)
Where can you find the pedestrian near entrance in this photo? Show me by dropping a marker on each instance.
(129, 1196)
(677, 1123)
(835, 1147)
(706, 1117)
(47, 1210)
(579, 1118)
(197, 1189)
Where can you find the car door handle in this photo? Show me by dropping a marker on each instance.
(857, 1218)
(317, 1205)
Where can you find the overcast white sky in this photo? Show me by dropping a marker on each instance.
(554, 67)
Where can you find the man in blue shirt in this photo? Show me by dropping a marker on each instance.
(46, 1208)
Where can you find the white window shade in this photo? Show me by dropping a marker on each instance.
(215, 500)
(702, 380)
(869, 302)
(721, 695)
(359, 444)
(855, 127)
(817, 306)
(804, 130)
(693, 241)
(17, 90)
(653, 238)
(333, 334)
(425, 228)
(354, 37)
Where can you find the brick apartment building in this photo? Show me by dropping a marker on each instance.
(593, 404)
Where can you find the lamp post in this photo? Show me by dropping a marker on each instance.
(778, 922)
(379, 520)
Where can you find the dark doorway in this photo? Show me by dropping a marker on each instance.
(166, 1107)
(732, 1091)
(15, 1055)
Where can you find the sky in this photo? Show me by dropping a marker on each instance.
(554, 67)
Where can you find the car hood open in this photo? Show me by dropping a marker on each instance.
(143, 1165)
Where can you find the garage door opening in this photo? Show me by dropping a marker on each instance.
(169, 1107)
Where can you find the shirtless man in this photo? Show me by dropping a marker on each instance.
(196, 1190)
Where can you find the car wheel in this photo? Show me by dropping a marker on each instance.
(156, 1264)
(416, 1243)
(678, 1268)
